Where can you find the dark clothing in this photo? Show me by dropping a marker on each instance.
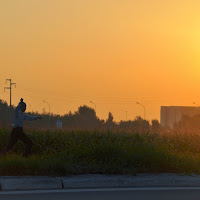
(17, 133)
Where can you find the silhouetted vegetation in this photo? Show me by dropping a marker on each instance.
(83, 119)
(78, 152)
(91, 145)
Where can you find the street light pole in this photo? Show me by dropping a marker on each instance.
(94, 105)
(49, 112)
(196, 104)
(143, 107)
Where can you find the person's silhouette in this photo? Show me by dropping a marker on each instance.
(17, 131)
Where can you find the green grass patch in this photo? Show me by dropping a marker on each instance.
(61, 153)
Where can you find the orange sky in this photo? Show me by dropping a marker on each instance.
(111, 52)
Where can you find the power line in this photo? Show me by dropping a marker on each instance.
(103, 98)
(102, 101)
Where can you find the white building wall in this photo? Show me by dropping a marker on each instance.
(170, 115)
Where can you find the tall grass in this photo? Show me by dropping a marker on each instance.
(78, 152)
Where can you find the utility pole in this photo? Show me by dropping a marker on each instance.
(10, 88)
(126, 115)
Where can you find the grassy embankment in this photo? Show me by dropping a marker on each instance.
(63, 153)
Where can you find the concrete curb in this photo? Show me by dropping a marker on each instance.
(141, 180)
(29, 183)
(98, 181)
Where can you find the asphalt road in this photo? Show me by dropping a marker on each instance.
(191, 193)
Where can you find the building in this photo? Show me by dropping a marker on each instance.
(171, 115)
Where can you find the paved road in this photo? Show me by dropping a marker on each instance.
(192, 193)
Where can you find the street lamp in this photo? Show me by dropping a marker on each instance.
(143, 107)
(196, 104)
(49, 112)
(94, 105)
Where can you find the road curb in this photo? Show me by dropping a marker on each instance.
(9, 183)
(29, 183)
(140, 180)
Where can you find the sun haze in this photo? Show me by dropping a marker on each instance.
(111, 52)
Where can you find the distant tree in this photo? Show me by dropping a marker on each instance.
(126, 126)
(87, 111)
(109, 121)
(110, 118)
(155, 125)
(141, 124)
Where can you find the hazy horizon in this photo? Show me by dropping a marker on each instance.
(111, 52)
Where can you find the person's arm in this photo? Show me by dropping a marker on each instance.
(30, 118)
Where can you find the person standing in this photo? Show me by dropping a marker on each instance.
(17, 132)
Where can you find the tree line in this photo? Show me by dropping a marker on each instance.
(84, 118)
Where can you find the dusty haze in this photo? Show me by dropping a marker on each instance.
(110, 52)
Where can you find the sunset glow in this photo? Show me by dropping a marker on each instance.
(111, 52)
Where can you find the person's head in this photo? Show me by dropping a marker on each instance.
(22, 105)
